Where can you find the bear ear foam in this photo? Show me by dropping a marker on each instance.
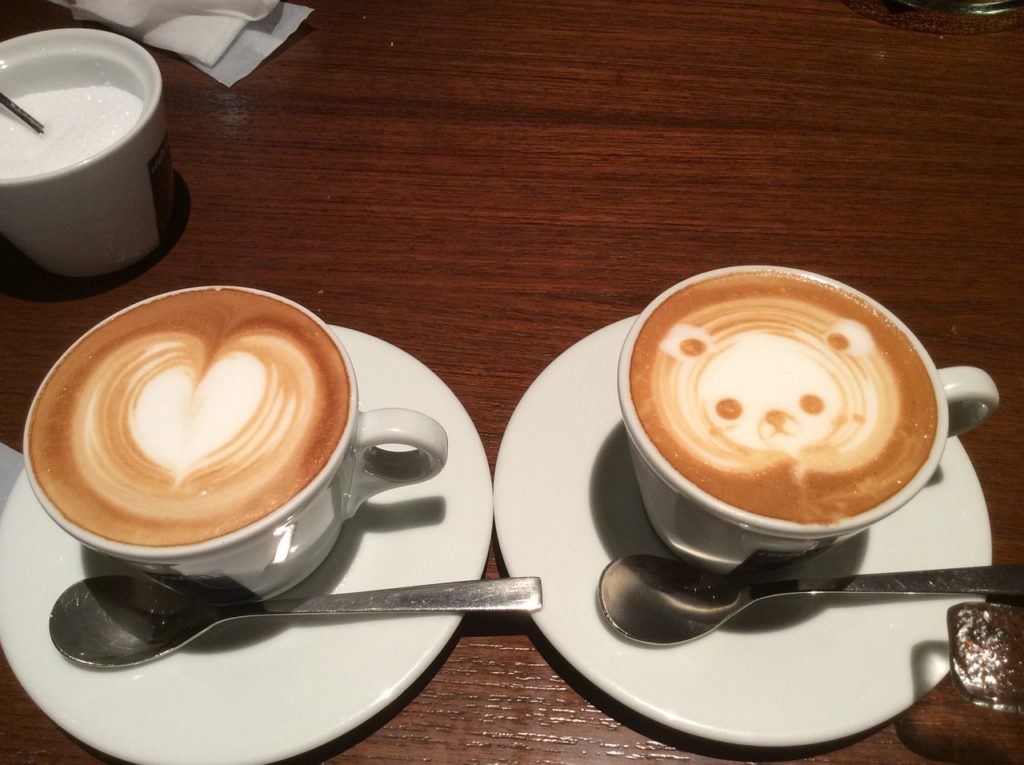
(692, 346)
(685, 341)
(837, 341)
(850, 338)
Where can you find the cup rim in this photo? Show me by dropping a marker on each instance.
(778, 527)
(185, 552)
(33, 45)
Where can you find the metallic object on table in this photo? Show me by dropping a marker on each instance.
(978, 8)
(21, 114)
(121, 621)
(944, 16)
(986, 654)
(659, 600)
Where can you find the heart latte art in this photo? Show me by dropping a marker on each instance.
(783, 396)
(188, 417)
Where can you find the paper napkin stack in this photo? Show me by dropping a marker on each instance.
(225, 38)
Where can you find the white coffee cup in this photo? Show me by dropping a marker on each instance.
(108, 210)
(375, 451)
(722, 537)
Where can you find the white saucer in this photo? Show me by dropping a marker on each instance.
(259, 692)
(566, 503)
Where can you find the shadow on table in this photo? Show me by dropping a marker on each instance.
(965, 733)
(23, 279)
(972, 737)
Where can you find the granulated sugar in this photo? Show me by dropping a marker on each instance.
(80, 122)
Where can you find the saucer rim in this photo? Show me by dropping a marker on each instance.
(518, 553)
(38, 667)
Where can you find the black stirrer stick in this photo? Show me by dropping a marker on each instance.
(24, 116)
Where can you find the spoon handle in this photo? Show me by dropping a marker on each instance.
(979, 580)
(515, 594)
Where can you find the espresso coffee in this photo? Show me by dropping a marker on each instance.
(189, 416)
(783, 395)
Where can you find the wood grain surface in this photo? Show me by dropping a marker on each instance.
(485, 183)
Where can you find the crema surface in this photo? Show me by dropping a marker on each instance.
(783, 396)
(188, 417)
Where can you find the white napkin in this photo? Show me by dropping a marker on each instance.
(256, 41)
(11, 463)
(203, 31)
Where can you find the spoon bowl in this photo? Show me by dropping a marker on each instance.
(111, 620)
(658, 600)
(122, 621)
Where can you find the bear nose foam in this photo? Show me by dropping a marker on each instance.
(778, 420)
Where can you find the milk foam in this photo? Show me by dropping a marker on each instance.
(782, 395)
(160, 404)
(179, 421)
(757, 385)
(192, 418)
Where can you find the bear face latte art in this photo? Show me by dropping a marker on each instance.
(783, 395)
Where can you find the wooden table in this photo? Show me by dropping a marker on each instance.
(485, 183)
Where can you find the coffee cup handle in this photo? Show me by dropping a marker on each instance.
(394, 447)
(972, 397)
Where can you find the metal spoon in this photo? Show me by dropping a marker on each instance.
(986, 654)
(121, 621)
(660, 600)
